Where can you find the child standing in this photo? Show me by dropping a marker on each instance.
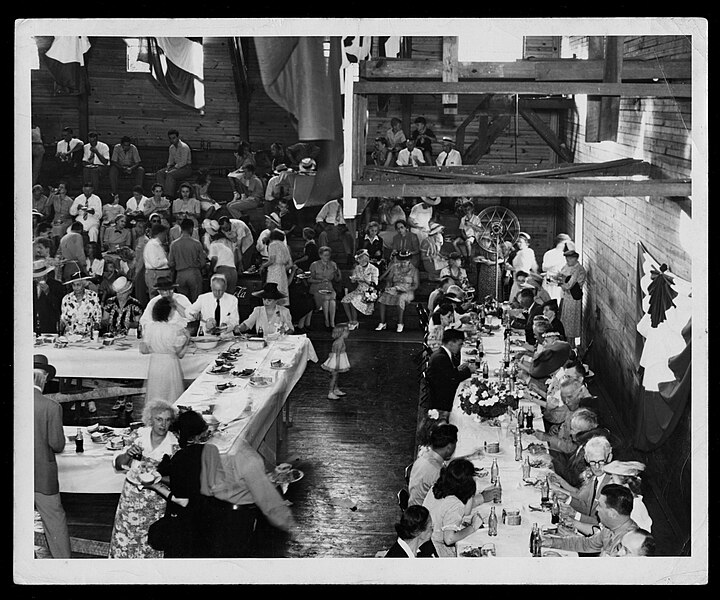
(337, 362)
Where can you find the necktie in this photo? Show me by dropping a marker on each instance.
(595, 486)
(447, 154)
(217, 313)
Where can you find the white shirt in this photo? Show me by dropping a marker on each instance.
(92, 157)
(258, 318)
(178, 315)
(404, 157)
(134, 206)
(453, 158)
(421, 215)
(525, 260)
(93, 202)
(239, 234)
(66, 147)
(154, 255)
(204, 308)
(223, 252)
(261, 246)
(332, 212)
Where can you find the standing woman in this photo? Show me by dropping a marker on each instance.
(221, 254)
(62, 219)
(430, 248)
(277, 264)
(571, 279)
(139, 507)
(402, 281)
(323, 274)
(166, 343)
(302, 304)
(365, 276)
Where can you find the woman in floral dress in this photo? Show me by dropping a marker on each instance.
(570, 308)
(366, 276)
(79, 309)
(402, 281)
(139, 507)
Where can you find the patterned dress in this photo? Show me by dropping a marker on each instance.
(121, 317)
(80, 314)
(366, 276)
(571, 309)
(138, 508)
(401, 285)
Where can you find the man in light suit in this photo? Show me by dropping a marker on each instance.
(49, 440)
(445, 372)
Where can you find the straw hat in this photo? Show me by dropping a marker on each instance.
(281, 168)
(448, 140)
(522, 234)
(431, 201)
(121, 285)
(436, 228)
(40, 361)
(41, 267)
(211, 226)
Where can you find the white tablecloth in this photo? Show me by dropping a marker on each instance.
(93, 360)
(91, 472)
(511, 540)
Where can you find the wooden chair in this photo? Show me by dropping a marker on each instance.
(423, 315)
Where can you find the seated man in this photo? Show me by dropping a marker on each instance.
(47, 297)
(87, 210)
(69, 154)
(216, 308)
(179, 164)
(332, 214)
(426, 468)
(279, 187)
(438, 294)
(248, 193)
(410, 156)
(96, 160)
(638, 542)
(41, 203)
(125, 162)
(614, 507)
(445, 371)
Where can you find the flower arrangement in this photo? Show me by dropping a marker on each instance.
(370, 295)
(487, 400)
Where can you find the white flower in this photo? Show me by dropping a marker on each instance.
(476, 418)
(494, 398)
(433, 414)
(485, 394)
(520, 393)
(473, 399)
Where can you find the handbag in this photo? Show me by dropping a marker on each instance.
(160, 532)
(575, 290)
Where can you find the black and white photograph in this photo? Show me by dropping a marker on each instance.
(312, 295)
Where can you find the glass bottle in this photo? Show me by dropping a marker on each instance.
(537, 545)
(494, 471)
(545, 490)
(138, 331)
(526, 468)
(529, 416)
(518, 448)
(555, 511)
(533, 535)
(492, 522)
(486, 370)
(498, 490)
(520, 418)
(79, 441)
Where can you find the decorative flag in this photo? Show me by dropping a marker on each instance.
(664, 330)
(298, 76)
(65, 59)
(177, 64)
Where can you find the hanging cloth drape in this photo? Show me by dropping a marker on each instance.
(177, 65)
(65, 59)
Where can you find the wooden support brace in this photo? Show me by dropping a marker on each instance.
(546, 133)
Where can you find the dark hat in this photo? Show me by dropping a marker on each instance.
(189, 424)
(165, 283)
(40, 361)
(280, 168)
(454, 255)
(552, 305)
(553, 356)
(269, 291)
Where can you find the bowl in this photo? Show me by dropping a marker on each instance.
(108, 340)
(205, 342)
(146, 477)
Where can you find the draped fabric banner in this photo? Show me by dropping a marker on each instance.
(300, 78)
(177, 64)
(665, 355)
(65, 60)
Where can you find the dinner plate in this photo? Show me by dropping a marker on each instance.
(132, 478)
(260, 385)
(245, 373)
(294, 476)
(325, 291)
(281, 367)
(219, 370)
(109, 447)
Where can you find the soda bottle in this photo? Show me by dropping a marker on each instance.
(138, 331)
(520, 418)
(492, 522)
(95, 333)
(498, 490)
(486, 370)
(555, 511)
(79, 441)
(494, 471)
(545, 490)
(537, 546)
(526, 468)
(260, 332)
(533, 534)
(529, 416)
(518, 448)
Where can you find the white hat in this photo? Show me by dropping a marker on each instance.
(275, 218)
(41, 267)
(308, 164)
(121, 285)
(436, 228)
(211, 226)
(449, 140)
(431, 201)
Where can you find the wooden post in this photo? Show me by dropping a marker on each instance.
(406, 100)
(450, 73)
(83, 116)
(610, 105)
(596, 49)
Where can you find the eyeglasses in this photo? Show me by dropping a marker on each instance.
(596, 463)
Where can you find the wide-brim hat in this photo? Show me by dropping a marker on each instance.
(432, 201)
(308, 164)
(553, 356)
(269, 291)
(404, 255)
(362, 252)
(436, 228)
(40, 361)
(522, 234)
(165, 283)
(624, 467)
(77, 276)
(448, 140)
(121, 285)
(552, 304)
(274, 217)
(37, 213)
(281, 168)
(211, 226)
(41, 267)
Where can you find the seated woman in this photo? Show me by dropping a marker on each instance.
(405, 240)
(121, 312)
(414, 531)
(324, 273)
(201, 189)
(374, 245)
(440, 320)
(138, 507)
(302, 304)
(79, 309)
(271, 318)
(455, 270)
(450, 503)
(551, 311)
(402, 281)
(365, 276)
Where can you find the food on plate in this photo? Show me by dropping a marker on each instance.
(536, 449)
(276, 363)
(286, 476)
(260, 381)
(147, 478)
(243, 373)
(471, 551)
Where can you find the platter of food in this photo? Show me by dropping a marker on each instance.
(143, 478)
(279, 365)
(244, 373)
(260, 382)
(280, 477)
(220, 370)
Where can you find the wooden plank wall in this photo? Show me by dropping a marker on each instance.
(658, 131)
(541, 46)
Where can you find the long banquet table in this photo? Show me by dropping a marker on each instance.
(511, 540)
(253, 413)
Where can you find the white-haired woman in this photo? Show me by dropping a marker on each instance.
(138, 506)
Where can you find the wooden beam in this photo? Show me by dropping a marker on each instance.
(546, 133)
(480, 147)
(529, 189)
(97, 394)
(610, 105)
(564, 69)
(450, 72)
(657, 90)
(460, 132)
(596, 50)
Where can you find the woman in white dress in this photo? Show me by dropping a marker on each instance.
(271, 318)
(554, 260)
(277, 264)
(365, 276)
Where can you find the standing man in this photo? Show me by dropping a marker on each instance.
(241, 238)
(87, 210)
(179, 164)
(165, 288)
(155, 258)
(449, 156)
(445, 372)
(96, 159)
(125, 162)
(49, 440)
(216, 308)
(187, 257)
